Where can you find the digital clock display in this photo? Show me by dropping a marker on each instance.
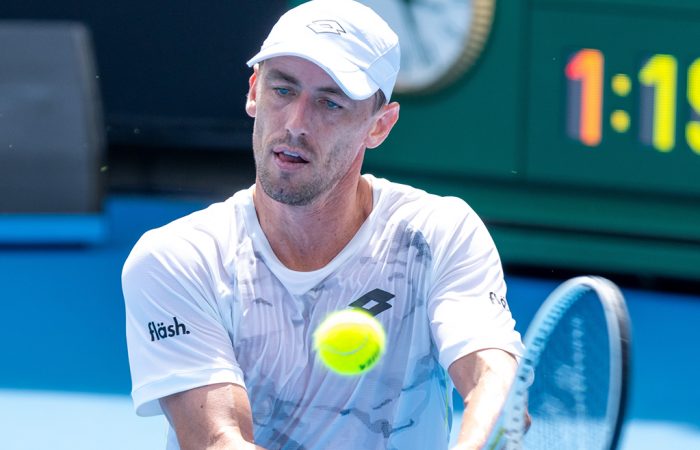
(658, 97)
(614, 98)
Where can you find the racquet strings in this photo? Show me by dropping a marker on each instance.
(575, 377)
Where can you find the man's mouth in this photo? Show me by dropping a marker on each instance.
(290, 156)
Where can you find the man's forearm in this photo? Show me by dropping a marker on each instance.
(214, 417)
(481, 413)
(484, 392)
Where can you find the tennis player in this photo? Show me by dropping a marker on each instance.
(221, 304)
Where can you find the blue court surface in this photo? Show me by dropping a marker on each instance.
(65, 381)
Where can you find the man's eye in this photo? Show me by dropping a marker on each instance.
(282, 91)
(332, 105)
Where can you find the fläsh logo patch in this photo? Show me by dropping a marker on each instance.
(160, 330)
(499, 300)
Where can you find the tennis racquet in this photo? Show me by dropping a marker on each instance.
(574, 375)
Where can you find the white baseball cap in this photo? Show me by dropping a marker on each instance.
(347, 39)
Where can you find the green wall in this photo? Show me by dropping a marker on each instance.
(498, 138)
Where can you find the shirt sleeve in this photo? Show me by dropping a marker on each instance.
(176, 339)
(467, 303)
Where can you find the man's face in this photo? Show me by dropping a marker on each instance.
(308, 134)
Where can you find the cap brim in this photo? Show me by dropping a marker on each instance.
(350, 78)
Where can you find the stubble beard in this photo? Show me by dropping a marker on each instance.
(283, 188)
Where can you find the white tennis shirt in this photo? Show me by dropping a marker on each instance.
(207, 301)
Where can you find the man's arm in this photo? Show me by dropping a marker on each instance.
(214, 417)
(483, 379)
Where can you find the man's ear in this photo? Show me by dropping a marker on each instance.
(384, 121)
(250, 103)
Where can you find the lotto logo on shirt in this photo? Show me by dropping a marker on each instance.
(160, 330)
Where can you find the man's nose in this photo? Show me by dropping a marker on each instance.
(298, 116)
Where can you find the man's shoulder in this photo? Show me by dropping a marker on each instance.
(196, 235)
(405, 200)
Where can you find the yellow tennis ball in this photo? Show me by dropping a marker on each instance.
(350, 341)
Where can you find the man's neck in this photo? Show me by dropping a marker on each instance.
(306, 238)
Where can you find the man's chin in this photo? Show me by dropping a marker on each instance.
(289, 197)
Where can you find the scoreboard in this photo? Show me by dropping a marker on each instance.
(617, 91)
(575, 135)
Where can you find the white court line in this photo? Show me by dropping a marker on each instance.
(43, 420)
